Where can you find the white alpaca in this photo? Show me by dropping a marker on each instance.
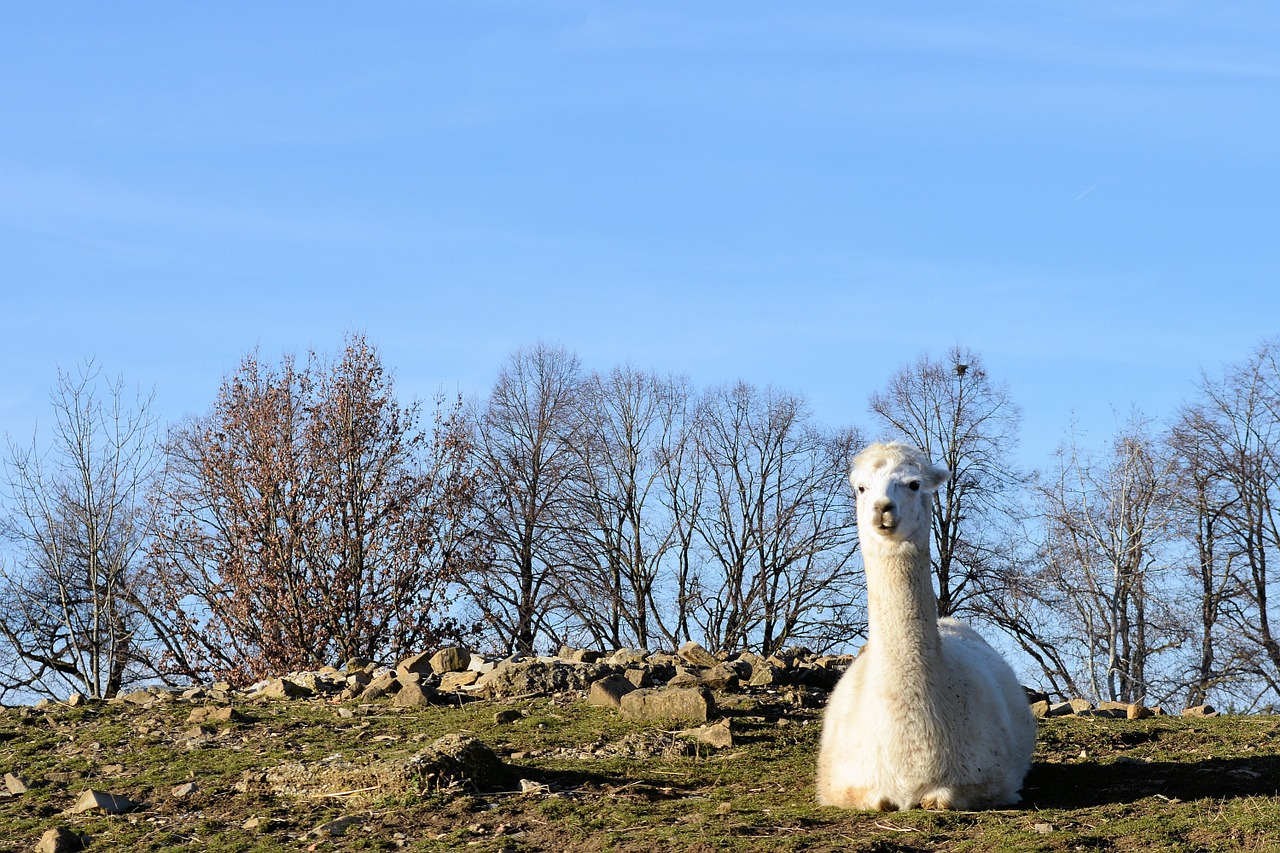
(928, 714)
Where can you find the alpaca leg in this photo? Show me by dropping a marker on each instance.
(864, 799)
(963, 798)
(939, 799)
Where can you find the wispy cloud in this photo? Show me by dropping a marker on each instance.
(1085, 193)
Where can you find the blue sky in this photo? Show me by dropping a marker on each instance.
(807, 195)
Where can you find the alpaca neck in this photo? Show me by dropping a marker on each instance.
(902, 611)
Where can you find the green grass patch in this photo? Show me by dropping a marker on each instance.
(599, 782)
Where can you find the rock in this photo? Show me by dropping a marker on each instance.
(507, 717)
(627, 658)
(578, 655)
(671, 704)
(814, 675)
(327, 680)
(141, 698)
(1061, 709)
(335, 828)
(1200, 711)
(284, 688)
(450, 659)
(685, 678)
(75, 700)
(804, 697)
(108, 803)
(721, 677)
(216, 714)
(481, 664)
(718, 735)
(455, 759)
(1080, 705)
(419, 664)
(197, 736)
(414, 695)
(608, 691)
(384, 684)
(1136, 711)
(354, 665)
(184, 790)
(451, 682)
(227, 714)
(1040, 709)
(540, 677)
(1106, 713)
(765, 674)
(16, 784)
(1034, 696)
(695, 654)
(638, 676)
(59, 840)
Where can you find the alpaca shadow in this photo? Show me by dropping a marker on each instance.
(1091, 783)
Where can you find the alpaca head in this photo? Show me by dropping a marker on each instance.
(894, 484)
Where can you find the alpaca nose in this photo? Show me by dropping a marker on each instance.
(884, 505)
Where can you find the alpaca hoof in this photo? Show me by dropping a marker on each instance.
(863, 799)
(939, 801)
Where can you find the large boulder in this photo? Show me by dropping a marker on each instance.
(608, 691)
(414, 694)
(459, 760)
(694, 653)
(450, 659)
(451, 762)
(540, 677)
(669, 705)
(419, 665)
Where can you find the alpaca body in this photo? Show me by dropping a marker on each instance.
(928, 714)
(943, 736)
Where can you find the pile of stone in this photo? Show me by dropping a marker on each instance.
(639, 683)
(680, 686)
(1041, 707)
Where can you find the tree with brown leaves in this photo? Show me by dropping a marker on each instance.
(309, 519)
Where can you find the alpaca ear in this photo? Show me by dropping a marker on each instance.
(933, 476)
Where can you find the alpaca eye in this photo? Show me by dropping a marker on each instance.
(861, 489)
(914, 485)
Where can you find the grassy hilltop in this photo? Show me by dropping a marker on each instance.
(582, 778)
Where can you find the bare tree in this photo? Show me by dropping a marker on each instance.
(777, 526)
(1238, 423)
(77, 521)
(1109, 526)
(526, 446)
(308, 519)
(617, 531)
(952, 410)
(1205, 501)
(682, 492)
